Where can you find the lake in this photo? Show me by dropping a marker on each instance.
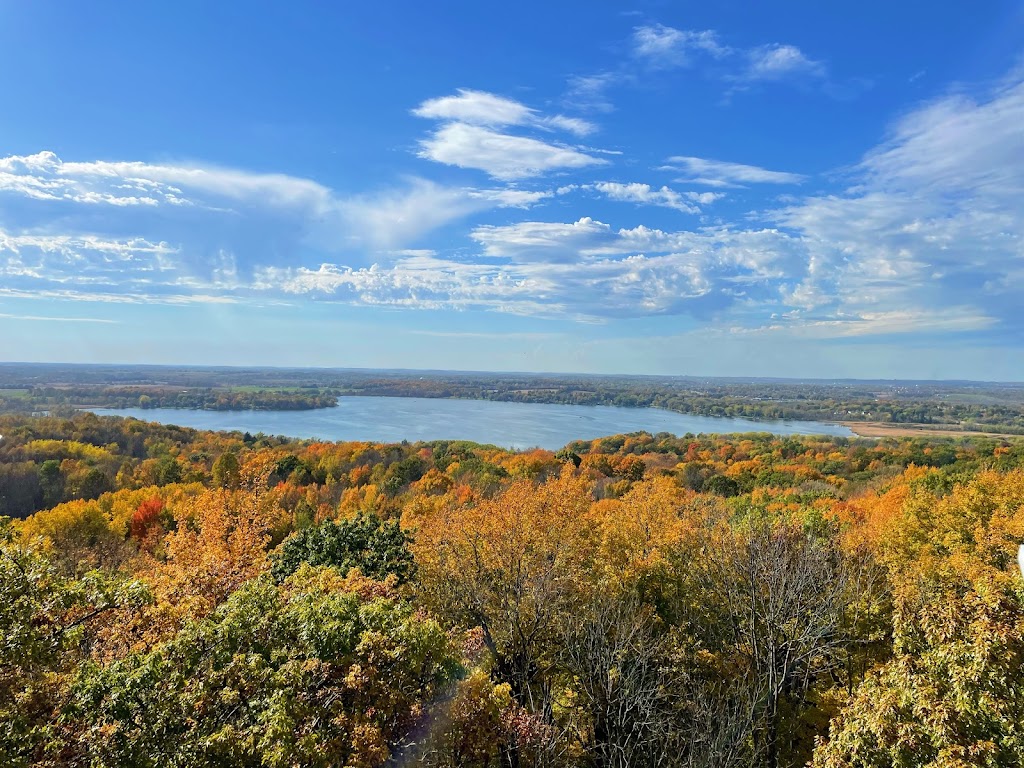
(510, 425)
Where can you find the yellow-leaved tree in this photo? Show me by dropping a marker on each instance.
(952, 696)
(514, 565)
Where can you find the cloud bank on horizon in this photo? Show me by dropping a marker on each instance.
(506, 204)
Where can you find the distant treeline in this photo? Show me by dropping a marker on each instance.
(764, 401)
(211, 399)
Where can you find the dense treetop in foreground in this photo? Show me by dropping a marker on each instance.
(184, 598)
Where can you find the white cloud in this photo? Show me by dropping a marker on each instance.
(584, 269)
(666, 46)
(44, 176)
(632, 286)
(576, 125)
(197, 214)
(717, 173)
(776, 62)
(421, 282)
(70, 246)
(476, 107)
(705, 198)
(488, 109)
(657, 47)
(31, 258)
(945, 320)
(273, 189)
(513, 198)
(502, 156)
(764, 253)
(469, 136)
(646, 195)
(547, 240)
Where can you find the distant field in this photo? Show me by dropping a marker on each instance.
(264, 388)
(20, 394)
(884, 429)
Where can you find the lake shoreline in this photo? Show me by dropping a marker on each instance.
(514, 425)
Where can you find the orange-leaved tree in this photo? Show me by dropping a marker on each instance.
(953, 693)
(514, 565)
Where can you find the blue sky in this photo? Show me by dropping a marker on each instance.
(744, 189)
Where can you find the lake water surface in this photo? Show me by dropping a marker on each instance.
(510, 425)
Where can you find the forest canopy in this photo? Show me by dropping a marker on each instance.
(173, 597)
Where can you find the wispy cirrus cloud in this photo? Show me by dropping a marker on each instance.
(933, 218)
(645, 194)
(777, 62)
(718, 173)
(395, 216)
(863, 324)
(656, 49)
(92, 295)
(56, 319)
(590, 92)
(662, 46)
(665, 47)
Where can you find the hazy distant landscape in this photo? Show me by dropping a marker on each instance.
(879, 407)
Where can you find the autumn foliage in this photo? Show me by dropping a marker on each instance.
(636, 600)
